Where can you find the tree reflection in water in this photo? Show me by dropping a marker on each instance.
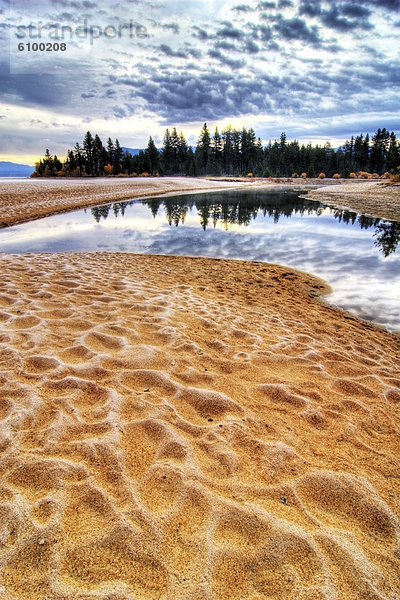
(241, 208)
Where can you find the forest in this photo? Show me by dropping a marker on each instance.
(231, 152)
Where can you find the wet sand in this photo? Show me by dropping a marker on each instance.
(188, 428)
(24, 200)
(373, 198)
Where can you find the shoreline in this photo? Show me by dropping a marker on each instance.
(180, 427)
(189, 427)
(65, 195)
(372, 198)
(55, 196)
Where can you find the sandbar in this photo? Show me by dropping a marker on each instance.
(372, 198)
(24, 200)
(192, 429)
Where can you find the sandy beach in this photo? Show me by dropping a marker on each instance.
(24, 200)
(373, 198)
(192, 429)
(189, 428)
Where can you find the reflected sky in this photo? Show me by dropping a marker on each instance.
(358, 256)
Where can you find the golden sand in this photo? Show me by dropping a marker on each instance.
(189, 428)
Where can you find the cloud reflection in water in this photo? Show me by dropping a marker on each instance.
(356, 255)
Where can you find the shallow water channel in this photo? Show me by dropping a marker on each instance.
(358, 256)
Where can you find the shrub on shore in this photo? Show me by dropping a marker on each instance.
(396, 177)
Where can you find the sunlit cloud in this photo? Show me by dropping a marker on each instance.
(318, 70)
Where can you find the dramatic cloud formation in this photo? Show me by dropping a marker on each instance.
(315, 69)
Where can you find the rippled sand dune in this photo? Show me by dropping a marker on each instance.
(182, 428)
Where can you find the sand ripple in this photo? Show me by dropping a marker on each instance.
(169, 431)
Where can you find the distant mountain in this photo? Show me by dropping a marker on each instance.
(10, 169)
(135, 151)
(132, 151)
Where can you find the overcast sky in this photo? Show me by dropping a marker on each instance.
(318, 70)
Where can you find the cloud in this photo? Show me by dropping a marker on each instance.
(266, 5)
(262, 32)
(228, 31)
(174, 27)
(242, 8)
(336, 18)
(310, 9)
(170, 52)
(226, 60)
(77, 5)
(355, 11)
(214, 60)
(251, 47)
(200, 33)
(389, 4)
(224, 45)
(296, 29)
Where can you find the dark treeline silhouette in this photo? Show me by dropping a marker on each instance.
(240, 208)
(231, 152)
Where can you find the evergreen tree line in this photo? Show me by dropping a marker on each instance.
(231, 152)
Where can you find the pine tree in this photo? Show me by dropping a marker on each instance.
(79, 159)
(359, 154)
(167, 153)
(203, 150)
(217, 150)
(175, 149)
(98, 156)
(153, 157)
(117, 160)
(366, 151)
(70, 163)
(379, 150)
(236, 151)
(393, 157)
(182, 154)
(251, 150)
(227, 164)
(88, 153)
(191, 165)
(231, 152)
(110, 151)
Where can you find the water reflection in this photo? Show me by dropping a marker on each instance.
(355, 254)
(213, 210)
(387, 236)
